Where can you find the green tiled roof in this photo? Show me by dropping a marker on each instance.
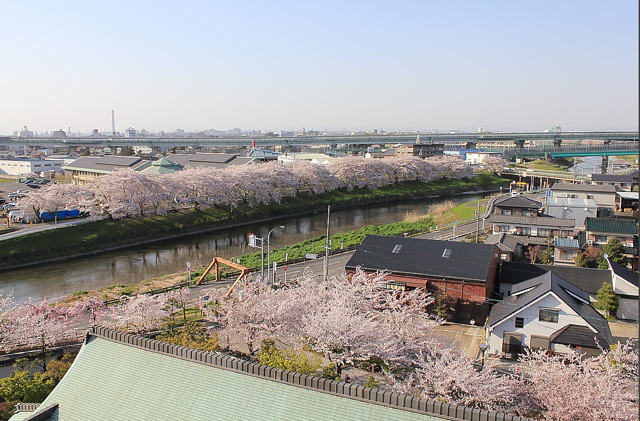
(612, 225)
(117, 376)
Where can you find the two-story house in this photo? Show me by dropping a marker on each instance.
(546, 312)
(604, 196)
(517, 205)
(576, 209)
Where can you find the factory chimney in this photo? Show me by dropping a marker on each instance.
(113, 122)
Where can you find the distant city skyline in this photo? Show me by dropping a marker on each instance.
(162, 66)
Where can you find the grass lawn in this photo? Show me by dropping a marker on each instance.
(556, 164)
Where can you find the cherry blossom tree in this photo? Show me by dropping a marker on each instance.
(89, 309)
(574, 387)
(495, 164)
(141, 313)
(38, 325)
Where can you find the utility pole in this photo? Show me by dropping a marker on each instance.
(477, 222)
(327, 247)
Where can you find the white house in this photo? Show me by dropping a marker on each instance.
(625, 285)
(546, 312)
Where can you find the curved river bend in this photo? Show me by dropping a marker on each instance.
(57, 280)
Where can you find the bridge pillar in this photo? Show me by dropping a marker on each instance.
(519, 143)
(557, 142)
(605, 163)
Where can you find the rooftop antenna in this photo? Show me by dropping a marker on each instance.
(113, 122)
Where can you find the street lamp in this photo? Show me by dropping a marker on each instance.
(269, 253)
(253, 243)
(483, 348)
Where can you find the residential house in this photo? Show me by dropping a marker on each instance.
(516, 205)
(510, 246)
(533, 226)
(208, 160)
(421, 150)
(89, 168)
(546, 312)
(119, 376)
(590, 280)
(604, 196)
(570, 208)
(464, 272)
(625, 285)
(565, 251)
(627, 200)
(600, 230)
(622, 181)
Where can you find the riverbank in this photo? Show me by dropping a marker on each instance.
(412, 223)
(108, 235)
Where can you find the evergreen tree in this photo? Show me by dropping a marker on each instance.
(608, 301)
(615, 251)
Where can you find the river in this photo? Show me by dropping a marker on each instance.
(57, 280)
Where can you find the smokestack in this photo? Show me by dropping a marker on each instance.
(113, 122)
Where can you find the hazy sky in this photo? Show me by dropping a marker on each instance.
(268, 65)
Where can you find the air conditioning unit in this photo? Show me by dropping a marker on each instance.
(590, 242)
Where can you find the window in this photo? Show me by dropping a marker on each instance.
(527, 212)
(446, 253)
(519, 322)
(601, 239)
(502, 228)
(397, 248)
(545, 232)
(523, 230)
(589, 196)
(565, 233)
(548, 315)
(506, 211)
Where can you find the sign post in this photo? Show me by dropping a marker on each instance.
(189, 271)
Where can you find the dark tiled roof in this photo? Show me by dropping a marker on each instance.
(577, 335)
(583, 188)
(535, 288)
(612, 225)
(626, 274)
(619, 178)
(504, 241)
(423, 257)
(104, 163)
(547, 221)
(587, 279)
(518, 202)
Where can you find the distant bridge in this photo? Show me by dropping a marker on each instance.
(464, 140)
(567, 151)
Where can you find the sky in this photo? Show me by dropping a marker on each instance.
(323, 65)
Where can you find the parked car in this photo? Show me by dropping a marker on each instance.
(34, 185)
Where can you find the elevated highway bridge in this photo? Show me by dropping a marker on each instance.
(460, 140)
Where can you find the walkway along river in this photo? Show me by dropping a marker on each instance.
(57, 280)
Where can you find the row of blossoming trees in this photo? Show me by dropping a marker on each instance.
(130, 193)
(354, 321)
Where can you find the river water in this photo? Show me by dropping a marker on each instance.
(57, 280)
